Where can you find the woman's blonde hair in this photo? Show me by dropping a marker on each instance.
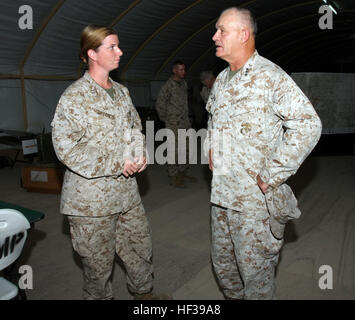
(91, 38)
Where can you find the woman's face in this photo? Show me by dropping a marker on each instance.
(108, 53)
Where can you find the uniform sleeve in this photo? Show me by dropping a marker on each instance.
(162, 102)
(208, 143)
(302, 130)
(73, 144)
(136, 139)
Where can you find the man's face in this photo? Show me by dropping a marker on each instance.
(108, 54)
(179, 71)
(227, 37)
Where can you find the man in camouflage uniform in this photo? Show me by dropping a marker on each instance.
(96, 133)
(261, 128)
(172, 108)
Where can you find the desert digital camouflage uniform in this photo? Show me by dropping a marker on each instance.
(93, 135)
(252, 110)
(172, 108)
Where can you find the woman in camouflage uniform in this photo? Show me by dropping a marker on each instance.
(96, 134)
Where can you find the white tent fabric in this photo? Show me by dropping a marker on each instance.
(36, 64)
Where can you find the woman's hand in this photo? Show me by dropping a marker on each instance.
(141, 163)
(137, 165)
(129, 168)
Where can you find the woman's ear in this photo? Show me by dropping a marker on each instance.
(92, 54)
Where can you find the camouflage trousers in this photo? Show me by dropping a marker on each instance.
(244, 254)
(96, 239)
(176, 168)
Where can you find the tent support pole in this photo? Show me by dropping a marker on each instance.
(24, 102)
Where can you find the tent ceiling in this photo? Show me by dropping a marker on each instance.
(153, 33)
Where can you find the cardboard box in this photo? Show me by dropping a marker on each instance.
(42, 179)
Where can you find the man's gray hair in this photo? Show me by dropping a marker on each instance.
(247, 16)
(204, 75)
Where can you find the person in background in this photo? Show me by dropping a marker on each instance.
(207, 79)
(270, 127)
(172, 109)
(96, 133)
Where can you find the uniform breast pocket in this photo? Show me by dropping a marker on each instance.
(248, 125)
(100, 127)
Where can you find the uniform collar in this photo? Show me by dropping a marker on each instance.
(93, 82)
(95, 89)
(244, 72)
(176, 81)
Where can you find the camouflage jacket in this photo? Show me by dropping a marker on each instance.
(92, 136)
(269, 127)
(172, 104)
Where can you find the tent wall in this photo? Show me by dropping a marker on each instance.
(333, 97)
(41, 98)
(140, 94)
(11, 115)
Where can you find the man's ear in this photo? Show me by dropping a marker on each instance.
(92, 54)
(245, 35)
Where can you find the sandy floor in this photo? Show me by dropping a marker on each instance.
(323, 236)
